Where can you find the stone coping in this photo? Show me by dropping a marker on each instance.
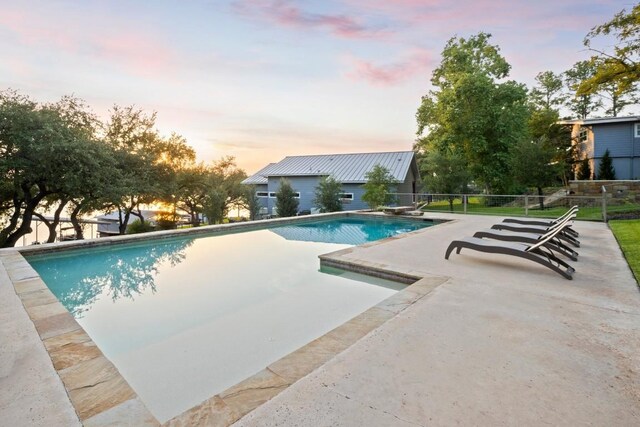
(99, 393)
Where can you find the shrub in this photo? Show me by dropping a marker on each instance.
(286, 202)
(138, 226)
(327, 197)
(606, 169)
(376, 190)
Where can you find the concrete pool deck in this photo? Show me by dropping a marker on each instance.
(499, 341)
(502, 342)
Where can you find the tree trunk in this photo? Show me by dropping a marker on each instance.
(31, 203)
(451, 204)
(541, 198)
(52, 225)
(124, 221)
(13, 222)
(77, 228)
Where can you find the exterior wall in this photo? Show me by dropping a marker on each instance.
(306, 186)
(624, 148)
(407, 188)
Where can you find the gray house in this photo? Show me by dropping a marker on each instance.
(305, 172)
(620, 135)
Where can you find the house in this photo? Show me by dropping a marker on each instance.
(620, 135)
(304, 174)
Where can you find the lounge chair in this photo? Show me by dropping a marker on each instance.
(537, 252)
(513, 236)
(548, 222)
(540, 230)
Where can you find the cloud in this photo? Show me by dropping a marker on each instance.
(129, 48)
(285, 13)
(415, 62)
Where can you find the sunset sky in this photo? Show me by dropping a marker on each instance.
(263, 79)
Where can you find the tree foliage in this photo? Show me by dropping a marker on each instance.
(584, 170)
(473, 112)
(59, 156)
(378, 186)
(581, 104)
(286, 202)
(621, 65)
(327, 195)
(46, 152)
(223, 189)
(548, 93)
(606, 171)
(533, 165)
(444, 172)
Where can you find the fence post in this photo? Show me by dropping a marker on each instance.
(604, 204)
(526, 205)
(464, 202)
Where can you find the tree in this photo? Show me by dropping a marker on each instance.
(224, 189)
(190, 191)
(622, 65)
(606, 171)
(543, 125)
(584, 170)
(251, 201)
(473, 113)
(444, 172)
(43, 156)
(286, 202)
(327, 197)
(147, 162)
(581, 104)
(616, 98)
(533, 165)
(377, 187)
(548, 93)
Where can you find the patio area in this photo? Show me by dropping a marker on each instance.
(499, 341)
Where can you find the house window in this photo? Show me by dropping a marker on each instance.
(584, 135)
(346, 197)
(262, 194)
(272, 195)
(636, 133)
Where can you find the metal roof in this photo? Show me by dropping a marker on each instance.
(602, 120)
(345, 168)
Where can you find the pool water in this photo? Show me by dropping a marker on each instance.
(184, 319)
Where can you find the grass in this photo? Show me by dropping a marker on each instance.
(476, 205)
(627, 233)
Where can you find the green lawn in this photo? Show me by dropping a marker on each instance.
(627, 233)
(476, 206)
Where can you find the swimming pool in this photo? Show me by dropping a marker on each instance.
(185, 318)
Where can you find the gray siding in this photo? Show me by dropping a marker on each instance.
(623, 147)
(617, 137)
(306, 186)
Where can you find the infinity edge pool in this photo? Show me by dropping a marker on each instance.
(100, 394)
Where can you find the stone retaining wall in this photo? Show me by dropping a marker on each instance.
(623, 190)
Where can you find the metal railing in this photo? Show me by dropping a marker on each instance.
(594, 208)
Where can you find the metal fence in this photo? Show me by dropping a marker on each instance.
(593, 208)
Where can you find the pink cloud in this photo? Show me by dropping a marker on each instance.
(283, 12)
(416, 62)
(128, 48)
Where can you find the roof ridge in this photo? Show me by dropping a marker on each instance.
(348, 154)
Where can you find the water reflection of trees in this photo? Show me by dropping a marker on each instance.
(122, 273)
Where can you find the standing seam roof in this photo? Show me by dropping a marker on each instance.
(346, 168)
